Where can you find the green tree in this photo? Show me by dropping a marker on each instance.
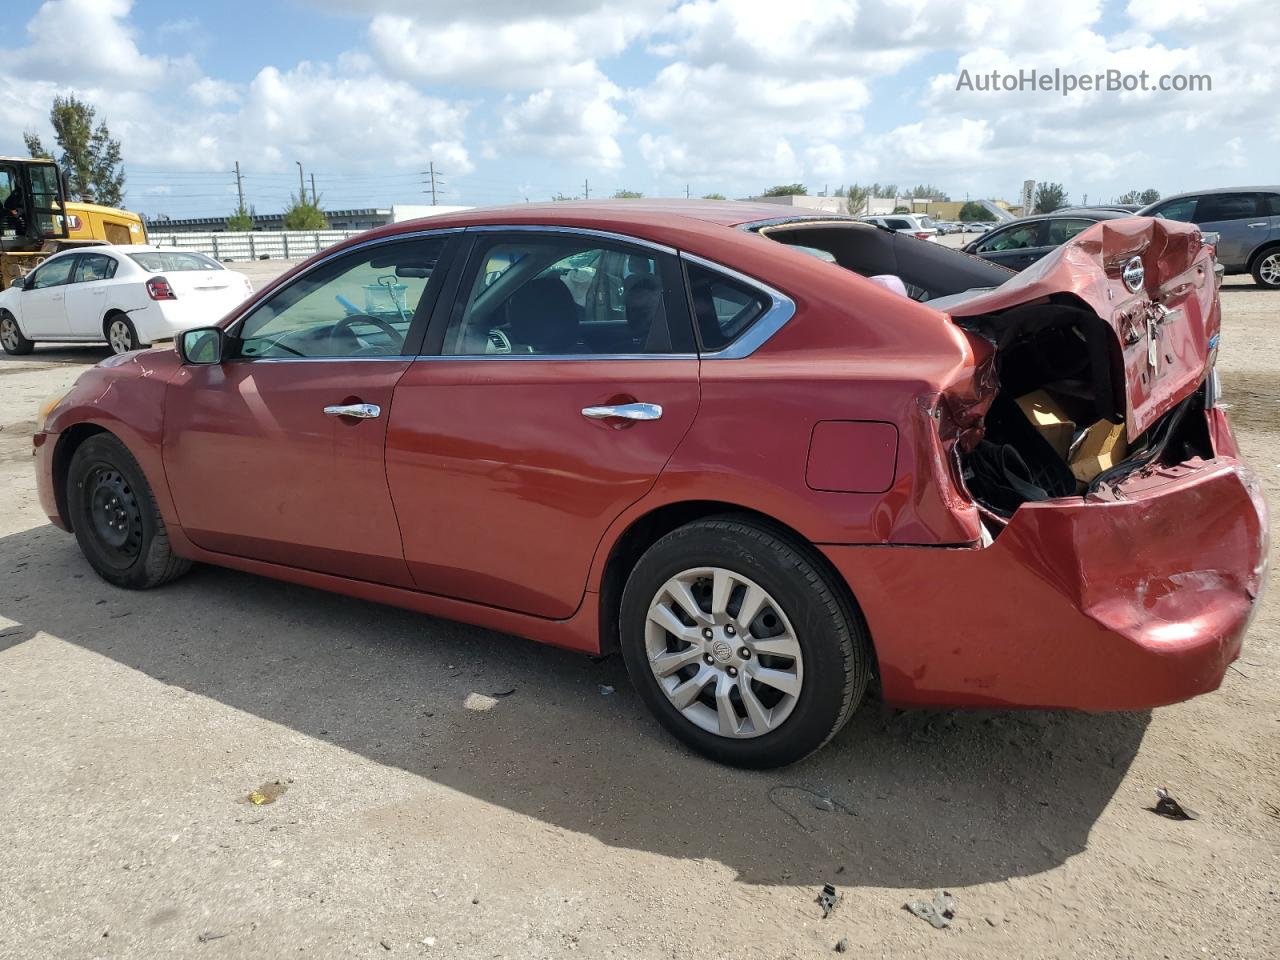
(241, 220)
(1049, 197)
(304, 214)
(1143, 197)
(901, 209)
(90, 157)
(713, 196)
(787, 190)
(927, 191)
(973, 210)
(627, 195)
(560, 198)
(35, 147)
(855, 199)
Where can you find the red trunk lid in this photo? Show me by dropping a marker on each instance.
(1153, 282)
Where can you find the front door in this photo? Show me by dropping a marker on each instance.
(276, 454)
(44, 306)
(564, 380)
(1241, 220)
(1016, 246)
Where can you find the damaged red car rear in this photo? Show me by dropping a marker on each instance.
(773, 461)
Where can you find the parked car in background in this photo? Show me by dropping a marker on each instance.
(1113, 207)
(1246, 220)
(765, 478)
(1020, 243)
(129, 296)
(920, 227)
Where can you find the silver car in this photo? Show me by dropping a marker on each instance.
(1246, 220)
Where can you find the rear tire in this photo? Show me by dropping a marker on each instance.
(121, 334)
(1266, 269)
(772, 663)
(11, 338)
(116, 521)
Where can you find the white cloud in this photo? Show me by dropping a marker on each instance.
(574, 124)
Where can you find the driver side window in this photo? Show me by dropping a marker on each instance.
(358, 305)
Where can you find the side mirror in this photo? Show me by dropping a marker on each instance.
(202, 346)
(29, 281)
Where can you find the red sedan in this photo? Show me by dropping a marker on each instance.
(772, 460)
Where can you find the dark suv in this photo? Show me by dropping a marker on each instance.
(1246, 219)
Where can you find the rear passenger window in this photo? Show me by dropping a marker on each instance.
(1227, 206)
(94, 266)
(1060, 231)
(1273, 204)
(557, 295)
(723, 307)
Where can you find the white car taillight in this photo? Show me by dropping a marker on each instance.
(158, 288)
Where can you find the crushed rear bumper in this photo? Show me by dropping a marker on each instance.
(1119, 605)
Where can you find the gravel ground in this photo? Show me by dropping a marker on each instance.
(561, 821)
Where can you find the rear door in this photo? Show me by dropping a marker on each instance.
(1241, 221)
(548, 403)
(87, 294)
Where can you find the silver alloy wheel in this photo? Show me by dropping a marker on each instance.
(119, 337)
(724, 652)
(1269, 269)
(9, 333)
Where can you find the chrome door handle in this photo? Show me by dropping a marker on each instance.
(1265, 223)
(360, 411)
(624, 411)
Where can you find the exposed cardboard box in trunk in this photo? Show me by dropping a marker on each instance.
(1101, 448)
(1048, 416)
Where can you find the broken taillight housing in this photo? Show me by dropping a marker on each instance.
(158, 288)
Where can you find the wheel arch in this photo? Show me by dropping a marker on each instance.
(646, 529)
(1271, 246)
(69, 440)
(109, 313)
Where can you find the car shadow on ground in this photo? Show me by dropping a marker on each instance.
(909, 800)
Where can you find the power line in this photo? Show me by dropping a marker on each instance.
(434, 176)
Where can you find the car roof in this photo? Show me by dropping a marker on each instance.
(1199, 193)
(1069, 213)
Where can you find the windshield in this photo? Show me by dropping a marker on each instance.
(174, 262)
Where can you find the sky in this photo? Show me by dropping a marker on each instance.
(514, 100)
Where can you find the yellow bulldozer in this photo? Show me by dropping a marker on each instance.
(36, 220)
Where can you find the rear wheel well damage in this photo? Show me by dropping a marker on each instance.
(68, 442)
(647, 530)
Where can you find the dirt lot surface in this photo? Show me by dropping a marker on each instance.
(561, 821)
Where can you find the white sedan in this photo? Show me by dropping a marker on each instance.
(129, 296)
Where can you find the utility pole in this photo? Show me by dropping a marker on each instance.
(239, 185)
(315, 197)
(302, 184)
(431, 183)
(586, 189)
(686, 191)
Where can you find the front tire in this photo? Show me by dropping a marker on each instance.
(11, 338)
(121, 334)
(741, 644)
(115, 518)
(1266, 270)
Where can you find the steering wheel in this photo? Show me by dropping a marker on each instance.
(344, 326)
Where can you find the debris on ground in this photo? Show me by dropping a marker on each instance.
(816, 800)
(1167, 805)
(828, 899)
(605, 690)
(480, 702)
(267, 793)
(822, 803)
(994, 919)
(503, 693)
(842, 945)
(206, 937)
(384, 945)
(939, 911)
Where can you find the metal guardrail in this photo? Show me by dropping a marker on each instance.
(254, 244)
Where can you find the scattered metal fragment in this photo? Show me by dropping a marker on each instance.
(1167, 805)
(605, 690)
(384, 945)
(842, 945)
(828, 899)
(207, 936)
(503, 693)
(267, 793)
(816, 799)
(939, 911)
